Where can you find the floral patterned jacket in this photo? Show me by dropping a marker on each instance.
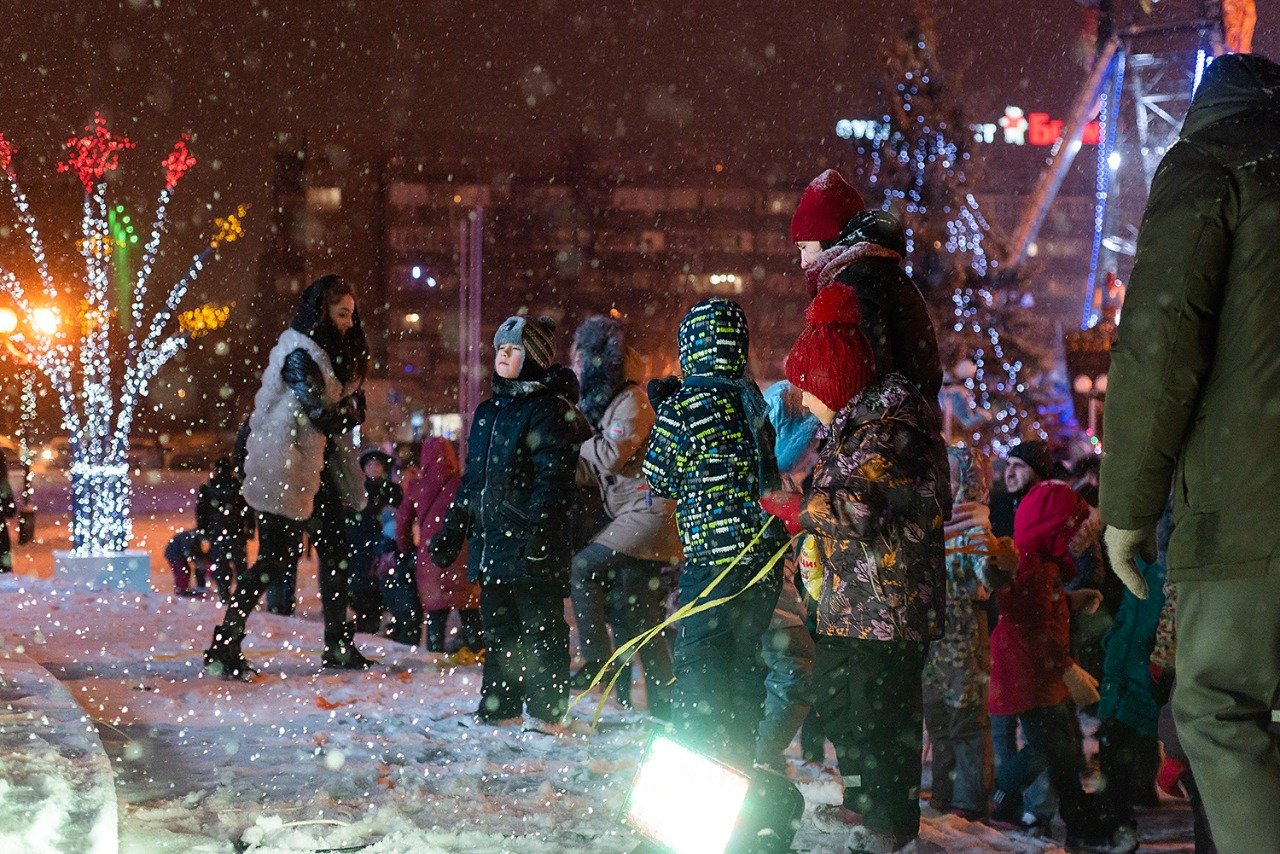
(874, 504)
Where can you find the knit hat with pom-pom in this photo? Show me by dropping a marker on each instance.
(832, 358)
(825, 208)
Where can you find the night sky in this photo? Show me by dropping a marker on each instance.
(242, 75)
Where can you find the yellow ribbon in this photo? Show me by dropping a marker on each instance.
(693, 606)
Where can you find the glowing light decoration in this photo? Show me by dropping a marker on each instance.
(76, 357)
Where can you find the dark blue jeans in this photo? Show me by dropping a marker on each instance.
(1053, 743)
(719, 665)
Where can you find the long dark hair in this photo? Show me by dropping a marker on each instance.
(349, 353)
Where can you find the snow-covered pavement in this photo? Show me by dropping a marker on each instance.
(307, 759)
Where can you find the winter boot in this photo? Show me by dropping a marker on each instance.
(223, 657)
(340, 649)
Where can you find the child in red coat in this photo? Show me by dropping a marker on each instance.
(1031, 663)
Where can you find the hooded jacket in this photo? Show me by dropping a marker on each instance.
(221, 512)
(1195, 369)
(303, 418)
(641, 525)
(513, 501)
(874, 505)
(420, 516)
(712, 447)
(1031, 643)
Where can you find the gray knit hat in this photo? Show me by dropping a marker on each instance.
(532, 336)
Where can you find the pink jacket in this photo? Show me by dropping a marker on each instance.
(423, 510)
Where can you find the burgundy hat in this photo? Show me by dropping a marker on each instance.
(832, 357)
(825, 208)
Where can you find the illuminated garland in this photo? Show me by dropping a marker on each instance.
(97, 418)
(912, 154)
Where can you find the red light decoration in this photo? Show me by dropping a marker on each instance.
(94, 155)
(177, 163)
(7, 150)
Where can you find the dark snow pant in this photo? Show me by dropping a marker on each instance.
(963, 763)
(279, 547)
(788, 655)
(400, 593)
(1054, 743)
(1038, 798)
(870, 696)
(438, 625)
(229, 556)
(719, 667)
(637, 590)
(1228, 667)
(1124, 758)
(813, 737)
(527, 662)
(333, 569)
(364, 591)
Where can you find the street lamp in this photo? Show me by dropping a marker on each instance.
(8, 320)
(44, 322)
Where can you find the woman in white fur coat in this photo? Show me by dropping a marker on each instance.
(302, 466)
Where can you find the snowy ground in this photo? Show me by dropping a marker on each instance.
(379, 757)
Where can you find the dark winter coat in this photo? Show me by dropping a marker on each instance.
(705, 451)
(513, 502)
(874, 505)
(185, 546)
(420, 516)
(221, 512)
(1031, 643)
(1195, 370)
(303, 415)
(365, 528)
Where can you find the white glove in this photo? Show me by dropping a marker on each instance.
(1122, 546)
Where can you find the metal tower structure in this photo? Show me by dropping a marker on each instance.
(1139, 89)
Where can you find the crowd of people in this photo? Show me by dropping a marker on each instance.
(831, 567)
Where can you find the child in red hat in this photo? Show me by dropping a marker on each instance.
(874, 508)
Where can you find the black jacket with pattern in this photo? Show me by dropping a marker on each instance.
(703, 452)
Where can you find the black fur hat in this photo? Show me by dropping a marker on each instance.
(600, 343)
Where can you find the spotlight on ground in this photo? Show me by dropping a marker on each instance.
(685, 803)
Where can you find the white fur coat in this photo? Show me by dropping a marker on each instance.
(285, 452)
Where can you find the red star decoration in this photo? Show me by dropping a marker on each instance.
(177, 163)
(7, 150)
(94, 155)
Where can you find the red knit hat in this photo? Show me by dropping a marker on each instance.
(832, 357)
(825, 208)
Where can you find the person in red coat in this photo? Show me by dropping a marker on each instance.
(1031, 665)
(417, 520)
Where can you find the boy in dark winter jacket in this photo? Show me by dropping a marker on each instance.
(189, 557)
(712, 452)
(368, 539)
(874, 507)
(513, 507)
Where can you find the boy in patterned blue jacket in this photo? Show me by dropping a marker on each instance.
(712, 452)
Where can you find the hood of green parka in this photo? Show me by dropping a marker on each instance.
(1233, 84)
(713, 339)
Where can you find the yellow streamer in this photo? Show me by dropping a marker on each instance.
(631, 647)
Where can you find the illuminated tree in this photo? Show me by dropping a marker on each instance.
(67, 331)
(920, 161)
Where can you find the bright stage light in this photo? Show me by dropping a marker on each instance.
(684, 801)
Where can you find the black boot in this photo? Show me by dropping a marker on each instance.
(223, 657)
(340, 649)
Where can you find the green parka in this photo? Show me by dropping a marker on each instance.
(1194, 397)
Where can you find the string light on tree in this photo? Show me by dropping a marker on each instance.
(97, 408)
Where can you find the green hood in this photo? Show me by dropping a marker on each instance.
(1233, 84)
(713, 339)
